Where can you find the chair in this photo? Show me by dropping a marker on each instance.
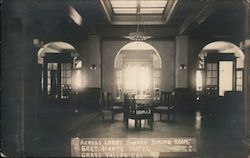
(131, 112)
(166, 105)
(117, 108)
(110, 107)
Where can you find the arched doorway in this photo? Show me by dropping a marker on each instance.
(138, 70)
(60, 70)
(220, 68)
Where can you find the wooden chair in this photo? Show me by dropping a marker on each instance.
(117, 108)
(106, 104)
(131, 112)
(166, 105)
(110, 107)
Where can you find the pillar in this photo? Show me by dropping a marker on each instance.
(181, 60)
(247, 86)
(246, 49)
(12, 123)
(94, 56)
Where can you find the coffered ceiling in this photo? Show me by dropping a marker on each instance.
(76, 19)
(131, 12)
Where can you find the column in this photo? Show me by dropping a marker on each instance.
(94, 56)
(247, 86)
(246, 49)
(181, 60)
(13, 90)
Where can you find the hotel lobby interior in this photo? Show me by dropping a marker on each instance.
(125, 70)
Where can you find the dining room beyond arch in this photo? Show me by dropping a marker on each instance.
(138, 70)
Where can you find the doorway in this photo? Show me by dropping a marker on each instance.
(220, 67)
(225, 76)
(58, 63)
(138, 70)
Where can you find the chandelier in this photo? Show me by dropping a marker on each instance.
(138, 35)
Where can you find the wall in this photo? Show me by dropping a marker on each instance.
(109, 51)
(165, 49)
(194, 48)
(83, 49)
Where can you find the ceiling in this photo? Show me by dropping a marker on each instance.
(144, 12)
(197, 18)
(218, 18)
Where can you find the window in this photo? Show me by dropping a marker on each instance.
(212, 74)
(118, 84)
(52, 79)
(157, 77)
(137, 79)
(144, 7)
(239, 80)
(199, 80)
(65, 80)
(212, 78)
(130, 77)
(125, 10)
(152, 10)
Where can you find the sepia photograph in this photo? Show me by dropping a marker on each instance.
(125, 78)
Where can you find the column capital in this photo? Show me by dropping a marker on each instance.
(247, 2)
(245, 44)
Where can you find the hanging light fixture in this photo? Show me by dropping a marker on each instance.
(138, 35)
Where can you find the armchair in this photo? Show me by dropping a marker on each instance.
(131, 112)
(166, 105)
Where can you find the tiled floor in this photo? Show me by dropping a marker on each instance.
(217, 136)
